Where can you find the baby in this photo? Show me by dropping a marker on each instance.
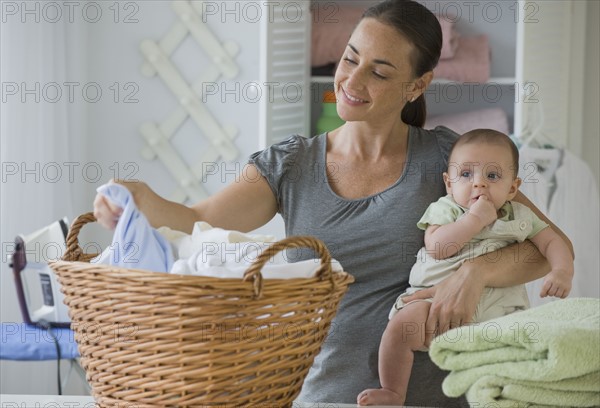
(476, 217)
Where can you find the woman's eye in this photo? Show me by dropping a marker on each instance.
(379, 75)
(350, 61)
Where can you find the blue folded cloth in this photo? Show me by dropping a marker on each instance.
(135, 245)
(24, 342)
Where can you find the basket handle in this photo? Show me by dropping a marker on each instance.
(74, 251)
(317, 245)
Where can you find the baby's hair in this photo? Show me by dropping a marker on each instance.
(489, 136)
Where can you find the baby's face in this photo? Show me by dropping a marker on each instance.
(477, 169)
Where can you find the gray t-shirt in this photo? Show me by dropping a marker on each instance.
(374, 238)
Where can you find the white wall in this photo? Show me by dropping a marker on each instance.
(27, 190)
(591, 94)
(113, 127)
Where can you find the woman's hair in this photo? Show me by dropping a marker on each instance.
(422, 29)
(489, 137)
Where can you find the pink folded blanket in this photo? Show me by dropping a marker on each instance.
(449, 38)
(332, 26)
(471, 61)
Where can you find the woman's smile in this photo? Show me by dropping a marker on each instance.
(352, 100)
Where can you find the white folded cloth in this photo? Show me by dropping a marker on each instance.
(203, 234)
(220, 253)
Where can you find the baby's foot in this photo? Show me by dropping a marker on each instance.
(380, 396)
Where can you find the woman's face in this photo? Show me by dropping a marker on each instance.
(374, 78)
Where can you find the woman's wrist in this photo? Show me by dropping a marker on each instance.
(138, 191)
(473, 272)
(508, 266)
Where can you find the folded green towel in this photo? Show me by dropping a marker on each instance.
(553, 349)
(500, 392)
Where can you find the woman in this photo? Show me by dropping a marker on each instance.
(361, 189)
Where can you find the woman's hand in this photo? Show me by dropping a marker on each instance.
(245, 205)
(454, 301)
(107, 214)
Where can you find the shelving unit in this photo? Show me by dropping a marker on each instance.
(500, 22)
(536, 63)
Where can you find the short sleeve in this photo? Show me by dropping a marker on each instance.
(275, 161)
(443, 211)
(522, 212)
(537, 225)
(445, 138)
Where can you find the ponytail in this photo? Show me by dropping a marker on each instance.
(414, 113)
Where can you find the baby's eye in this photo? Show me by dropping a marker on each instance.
(466, 174)
(493, 176)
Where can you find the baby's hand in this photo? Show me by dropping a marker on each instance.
(557, 283)
(484, 210)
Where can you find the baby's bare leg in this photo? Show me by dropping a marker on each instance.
(404, 334)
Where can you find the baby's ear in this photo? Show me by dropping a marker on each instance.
(514, 188)
(447, 183)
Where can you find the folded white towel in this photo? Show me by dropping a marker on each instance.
(222, 253)
(203, 234)
(196, 265)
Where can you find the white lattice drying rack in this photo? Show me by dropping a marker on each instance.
(158, 136)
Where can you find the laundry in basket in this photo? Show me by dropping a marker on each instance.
(221, 253)
(208, 251)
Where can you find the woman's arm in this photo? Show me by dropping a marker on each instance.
(520, 198)
(244, 205)
(455, 299)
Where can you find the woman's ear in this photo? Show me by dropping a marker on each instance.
(421, 84)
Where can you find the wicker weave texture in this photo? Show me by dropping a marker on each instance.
(156, 340)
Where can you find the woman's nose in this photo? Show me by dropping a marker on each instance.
(355, 79)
